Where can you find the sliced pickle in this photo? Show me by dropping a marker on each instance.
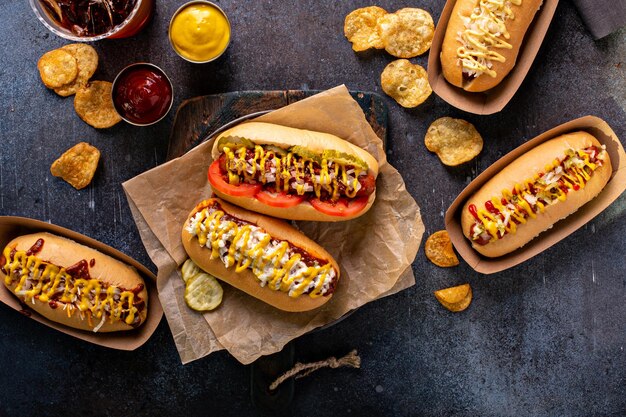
(234, 142)
(344, 158)
(189, 269)
(277, 150)
(306, 153)
(203, 292)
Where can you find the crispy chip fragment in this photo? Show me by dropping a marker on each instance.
(438, 249)
(94, 105)
(455, 141)
(360, 27)
(456, 298)
(77, 165)
(57, 68)
(406, 33)
(87, 60)
(407, 83)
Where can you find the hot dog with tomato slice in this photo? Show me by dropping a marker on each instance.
(292, 173)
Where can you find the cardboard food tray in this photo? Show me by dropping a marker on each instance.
(495, 99)
(11, 227)
(614, 188)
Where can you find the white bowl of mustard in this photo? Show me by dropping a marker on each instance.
(199, 31)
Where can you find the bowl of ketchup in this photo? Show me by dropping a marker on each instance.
(142, 94)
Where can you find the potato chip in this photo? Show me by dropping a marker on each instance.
(456, 298)
(94, 105)
(57, 68)
(407, 83)
(406, 33)
(87, 61)
(438, 249)
(360, 27)
(77, 165)
(455, 141)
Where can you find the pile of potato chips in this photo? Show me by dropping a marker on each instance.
(67, 71)
(404, 34)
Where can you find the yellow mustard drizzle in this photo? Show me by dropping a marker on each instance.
(76, 293)
(211, 229)
(301, 166)
(489, 33)
(574, 178)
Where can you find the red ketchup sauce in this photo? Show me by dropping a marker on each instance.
(142, 94)
(36, 248)
(473, 212)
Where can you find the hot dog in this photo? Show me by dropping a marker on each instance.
(292, 173)
(265, 257)
(528, 196)
(72, 284)
(482, 40)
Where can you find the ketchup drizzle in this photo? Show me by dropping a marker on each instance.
(472, 210)
(79, 270)
(36, 248)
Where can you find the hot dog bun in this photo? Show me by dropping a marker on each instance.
(525, 167)
(58, 252)
(246, 280)
(286, 137)
(516, 25)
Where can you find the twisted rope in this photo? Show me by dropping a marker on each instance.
(301, 370)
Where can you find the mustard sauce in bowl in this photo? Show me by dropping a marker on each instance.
(199, 31)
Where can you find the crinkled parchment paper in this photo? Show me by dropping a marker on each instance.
(375, 251)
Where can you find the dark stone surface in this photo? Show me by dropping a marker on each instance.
(544, 338)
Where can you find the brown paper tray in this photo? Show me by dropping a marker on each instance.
(616, 185)
(496, 98)
(11, 227)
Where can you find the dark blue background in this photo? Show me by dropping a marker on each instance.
(544, 338)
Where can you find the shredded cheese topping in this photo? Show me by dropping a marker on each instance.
(284, 168)
(485, 30)
(245, 246)
(37, 279)
(503, 213)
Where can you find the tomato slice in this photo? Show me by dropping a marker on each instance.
(279, 199)
(218, 183)
(342, 207)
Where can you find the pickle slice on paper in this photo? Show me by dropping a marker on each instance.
(203, 292)
(189, 270)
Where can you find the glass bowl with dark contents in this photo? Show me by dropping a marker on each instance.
(92, 20)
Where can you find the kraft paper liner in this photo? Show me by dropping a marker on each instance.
(375, 251)
(495, 99)
(614, 188)
(204, 341)
(11, 227)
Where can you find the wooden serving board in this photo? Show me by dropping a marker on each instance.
(195, 121)
(197, 118)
